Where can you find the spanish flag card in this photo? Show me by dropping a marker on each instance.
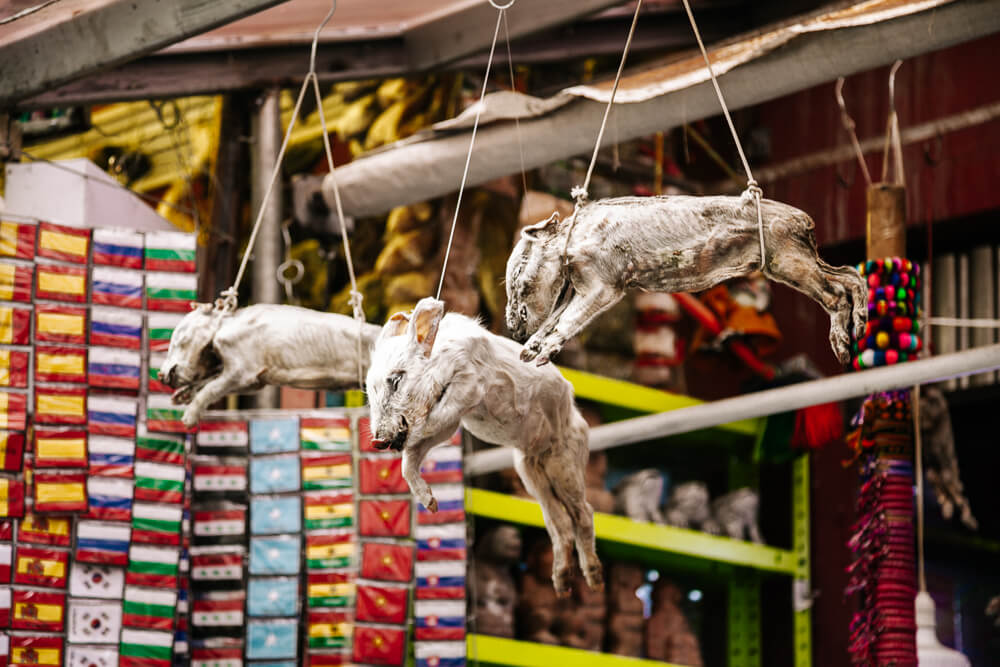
(37, 566)
(67, 244)
(62, 283)
(60, 491)
(38, 650)
(38, 610)
(13, 410)
(60, 448)
(11, 498)
(61, 404)
(15, 325)
(15, 282)
(61, 363)
(17, 239)
(11, 451)
(40, 529)
(59, 323)
(14, 368)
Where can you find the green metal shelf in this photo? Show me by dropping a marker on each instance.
(645, 542)
(486, 650)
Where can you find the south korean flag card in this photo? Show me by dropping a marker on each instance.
(94, 621)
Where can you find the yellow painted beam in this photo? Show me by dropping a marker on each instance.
(640, 398)
(500, 651)
(648, 537)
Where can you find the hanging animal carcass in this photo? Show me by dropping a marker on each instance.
(563, 273)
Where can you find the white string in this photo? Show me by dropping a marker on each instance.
(752, 186)
(581, 192)
(472, 141)
(513, 87)
(975, 323)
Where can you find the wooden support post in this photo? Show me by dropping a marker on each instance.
(886, 225)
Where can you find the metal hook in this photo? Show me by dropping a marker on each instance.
(892, 85)
(502, 7)
(312, 55)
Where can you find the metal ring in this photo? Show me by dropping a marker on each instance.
(300, 271)
(507, 6)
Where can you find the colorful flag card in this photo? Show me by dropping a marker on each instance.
(145, 648)
(451, 505)
(112, 415)
(92, 656)
(273, 596)
(15, 282)
(330, 549)
(37, 650)
(365, 437)
(159, 482)
(112, 367)
(13, 410)
(379, 645)
(171, 251)
(6, 530)
(274, 436)
(6, 570)
(439, 654)
(384, 518)
(217, 565)
(440, 580)
(152, 566)
(273, 639)
(330, 589)
(117, 287)
(61, 283)
(109, 498)
(382, 603)
(115, 327)
(270, 515)
(274, 474)
(14, 368)
(15, 325)
(329, 657)
(60, 448)
(96, 581)
(36, 529)
(60, 363)
(5, 605)
(161, 327)
(171, 292)
(326, 471)
(37, 566)
(217, 652)
(274, 555)
(11, 451)
(325, 434)
(59, 323)
(219, 476)
(17, 239)
(329, 628)
(387, 562)
(118, 247)
(218, 612)
(325, 509)
(443, 465)
(38, 610)
(382, 476)
(67, 244)
(60, 491)
(153, 383)
(151, 608)
(163, 415)
(223, 524)
(109, 456)
(60, 405)
(11, 498)
(439, 620)
(444, 542)
(94, 621)
(156, 523)
(102, 542)
(222, 438)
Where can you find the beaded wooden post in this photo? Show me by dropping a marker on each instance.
(883, 573)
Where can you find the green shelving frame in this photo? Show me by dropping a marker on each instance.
(743, 564)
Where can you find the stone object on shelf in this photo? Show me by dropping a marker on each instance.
(495, 592)
(597, 493)
(689, 507)
(625, 611)
(736, 514)
(668, 635)
(537, 605)
(638, 495)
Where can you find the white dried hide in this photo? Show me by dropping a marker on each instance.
(736, 514)
(432, 372)
(562, 274)
(638, 496)
(215, 352)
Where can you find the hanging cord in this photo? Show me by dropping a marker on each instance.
(513, 87)
(892, 137)
(753, 188)
(297, 268)
(848, 123)
(918, 462)
(472, 141)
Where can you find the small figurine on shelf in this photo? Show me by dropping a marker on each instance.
(689, 507)
(638, 495)
(582, 617)
(736, 514)
(668, 635)
(597, 493)
(625, 617)
(537, 606)
(496, 595)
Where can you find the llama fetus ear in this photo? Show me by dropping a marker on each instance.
(395, 325)
(423, 326)
(539, 229)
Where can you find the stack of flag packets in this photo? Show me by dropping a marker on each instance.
(262, 539)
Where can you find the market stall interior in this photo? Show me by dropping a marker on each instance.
(459, 332)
